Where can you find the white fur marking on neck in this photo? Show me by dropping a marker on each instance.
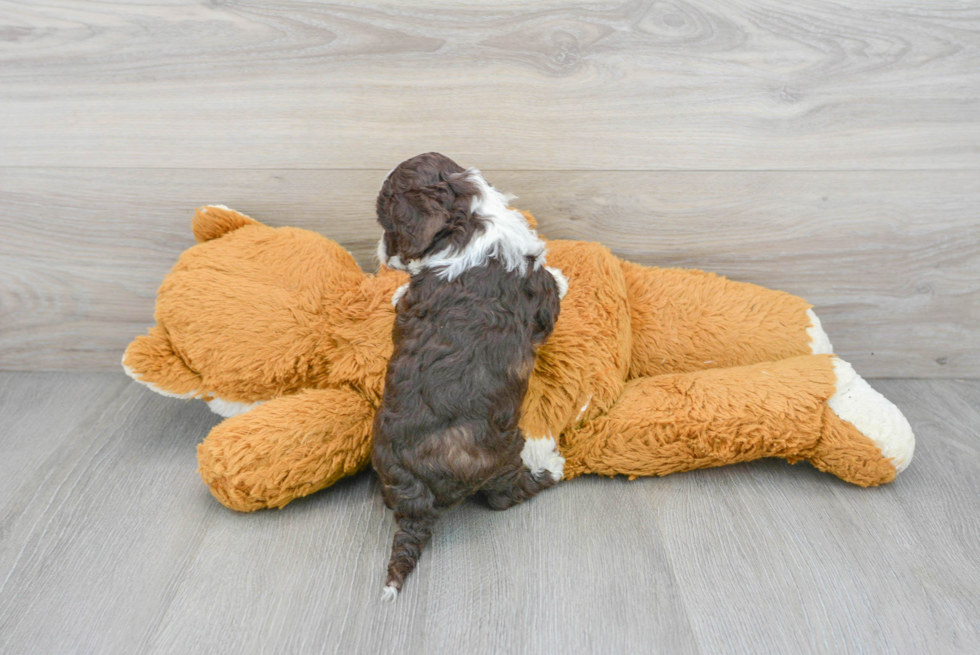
(540, 455)
(560, 280)
(506, 237)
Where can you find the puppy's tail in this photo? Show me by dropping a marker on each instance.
(410, 539)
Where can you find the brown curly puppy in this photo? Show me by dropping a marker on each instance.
(479, 304)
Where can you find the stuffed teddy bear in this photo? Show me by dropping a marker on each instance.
(649, 371)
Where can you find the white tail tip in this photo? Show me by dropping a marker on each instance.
(389, 594)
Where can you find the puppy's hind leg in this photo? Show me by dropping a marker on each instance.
(416, 514)
(515, 485)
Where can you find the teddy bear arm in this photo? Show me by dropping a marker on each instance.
(686, 320)
(581, 369)
(789, 409)
(287, 448)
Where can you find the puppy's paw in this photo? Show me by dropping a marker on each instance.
(541, 456)
(399, 294)
(499, 502)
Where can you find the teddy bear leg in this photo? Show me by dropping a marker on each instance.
(287, 448)
(687, 320)
(797, 408)
(678, 422)
(866, 440)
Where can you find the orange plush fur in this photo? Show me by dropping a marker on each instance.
(649, 371)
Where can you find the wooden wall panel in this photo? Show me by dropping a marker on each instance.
(891, 260)
(704, 85)
(830, 150)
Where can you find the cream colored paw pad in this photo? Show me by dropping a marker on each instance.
(873, 415)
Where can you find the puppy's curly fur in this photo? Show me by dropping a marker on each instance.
(479, 303)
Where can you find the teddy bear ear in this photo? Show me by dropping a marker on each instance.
(213, 221)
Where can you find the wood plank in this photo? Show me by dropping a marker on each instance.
(115, 546)
(753, 84)
(123, 550)
(779, 559)
(519, 581)
(94, 535)
(41, 414)
(890, 259)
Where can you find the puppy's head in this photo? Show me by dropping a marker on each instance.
(425, 206)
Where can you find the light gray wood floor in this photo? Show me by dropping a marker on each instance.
(110, 543)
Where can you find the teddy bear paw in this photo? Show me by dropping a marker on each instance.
(873, 415)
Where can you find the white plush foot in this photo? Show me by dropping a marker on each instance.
(819, 341)
(389, 594)
(873, 414)
(541, 455)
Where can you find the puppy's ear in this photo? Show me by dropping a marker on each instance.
(420, 217)
(417, 216)
(544, 287)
